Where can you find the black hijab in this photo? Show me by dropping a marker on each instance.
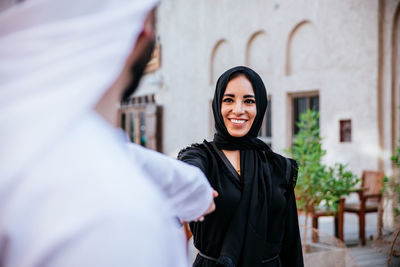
(244, 242)
(222, 138)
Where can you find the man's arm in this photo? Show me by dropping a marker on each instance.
(186, 187)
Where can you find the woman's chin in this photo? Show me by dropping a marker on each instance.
(238, 133)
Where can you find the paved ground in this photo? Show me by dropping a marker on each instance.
(366, 256)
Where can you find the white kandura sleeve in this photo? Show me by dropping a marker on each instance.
(187, 189)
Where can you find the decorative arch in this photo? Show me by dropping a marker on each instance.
(221, 57)
(303, 49)
(258, 55)
(395, 83)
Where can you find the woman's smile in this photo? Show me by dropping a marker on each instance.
(238, 121)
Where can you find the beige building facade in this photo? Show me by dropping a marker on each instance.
(339, 57)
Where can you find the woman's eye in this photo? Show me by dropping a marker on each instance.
(227, 100)
(250, 101)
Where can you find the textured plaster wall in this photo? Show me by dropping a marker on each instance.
(297, 46)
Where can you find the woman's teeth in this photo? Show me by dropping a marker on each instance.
(238, 121)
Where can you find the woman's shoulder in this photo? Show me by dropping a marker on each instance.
(280, 158)
(197, 155)
(195, 149)
(289, 165)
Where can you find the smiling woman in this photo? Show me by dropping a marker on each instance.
(255, 222)
(238, 106)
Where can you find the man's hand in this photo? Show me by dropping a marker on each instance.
(210, 209)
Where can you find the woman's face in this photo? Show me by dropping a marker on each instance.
(238, 106)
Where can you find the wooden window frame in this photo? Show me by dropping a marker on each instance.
(290, 110)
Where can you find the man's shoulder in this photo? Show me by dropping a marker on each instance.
(95, 162)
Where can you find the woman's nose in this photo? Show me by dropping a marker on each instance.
(238, 108)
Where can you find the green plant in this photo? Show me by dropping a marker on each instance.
(341, 183)
(317, 184)
(307, 151)
(391, 188)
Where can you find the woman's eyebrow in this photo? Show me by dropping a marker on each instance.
(249, 96)
(230, 95)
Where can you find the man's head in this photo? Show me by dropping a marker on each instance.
(141, 55)
(67, 57)
(128, 79)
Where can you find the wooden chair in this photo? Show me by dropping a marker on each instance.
(315, 214)
(370, 195)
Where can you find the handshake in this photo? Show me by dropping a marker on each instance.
(210, 209)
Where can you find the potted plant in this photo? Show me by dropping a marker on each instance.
(341, 182)
(307, 151)
(318, 185)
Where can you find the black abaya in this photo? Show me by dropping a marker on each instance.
(281, 245)
(255, 222)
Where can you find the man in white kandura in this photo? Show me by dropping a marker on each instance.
(71, 191)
